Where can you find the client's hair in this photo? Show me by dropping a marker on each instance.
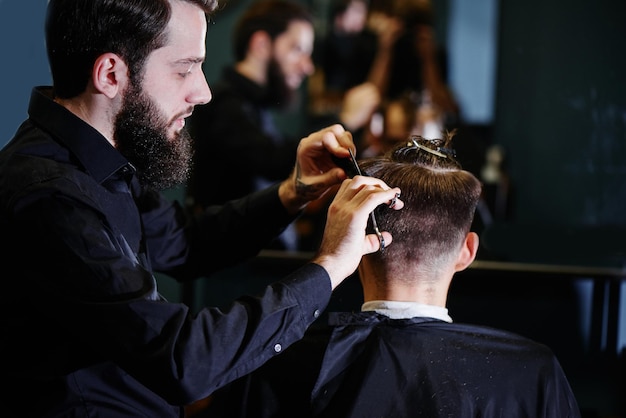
(439, 198)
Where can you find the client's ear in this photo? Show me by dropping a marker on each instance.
(468, 251)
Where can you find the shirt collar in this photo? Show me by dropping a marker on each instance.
(89, 147)
(404, 310)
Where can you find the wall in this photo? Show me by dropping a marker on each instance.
(24, 62)
(561, 110)
(472, 43)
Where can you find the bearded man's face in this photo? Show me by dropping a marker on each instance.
(141, 135)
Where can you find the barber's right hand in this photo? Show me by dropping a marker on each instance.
(345, 239)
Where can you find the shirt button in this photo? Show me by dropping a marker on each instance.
(316, 314)
(278, 348)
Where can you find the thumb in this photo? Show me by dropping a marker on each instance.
(372, 243)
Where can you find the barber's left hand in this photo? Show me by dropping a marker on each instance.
(316, 172)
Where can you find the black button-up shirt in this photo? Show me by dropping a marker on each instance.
(84, 331)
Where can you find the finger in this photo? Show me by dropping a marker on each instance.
(325, 137)
(367, 194)
(394, 203)
(337, 129)
(379, 197)
(361, 181)
(338, 142)
(372, 243)
(328, 178)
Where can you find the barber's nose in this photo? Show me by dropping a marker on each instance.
(202, 92)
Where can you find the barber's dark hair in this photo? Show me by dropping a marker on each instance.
(271, 16)
(79, 31)
(439, 197)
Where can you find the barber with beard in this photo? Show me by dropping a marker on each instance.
(84, 226)
(236, 133)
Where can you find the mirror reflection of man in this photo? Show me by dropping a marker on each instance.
(236, 133)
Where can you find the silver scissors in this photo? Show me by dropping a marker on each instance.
(372, 216)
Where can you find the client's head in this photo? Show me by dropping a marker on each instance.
(440, 198)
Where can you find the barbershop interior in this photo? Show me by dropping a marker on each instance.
(537, 102)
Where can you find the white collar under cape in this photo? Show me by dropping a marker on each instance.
(404, 310)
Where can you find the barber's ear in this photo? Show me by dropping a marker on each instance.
(110, 74)
(468, 251)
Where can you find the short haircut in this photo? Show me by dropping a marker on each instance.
(440, 200)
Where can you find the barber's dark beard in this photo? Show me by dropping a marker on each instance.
(279, 93)
(141, 136)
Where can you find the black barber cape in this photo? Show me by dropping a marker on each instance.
(369, 365)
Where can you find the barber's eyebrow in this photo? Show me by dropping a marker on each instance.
(189, 61)
(187, 65)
